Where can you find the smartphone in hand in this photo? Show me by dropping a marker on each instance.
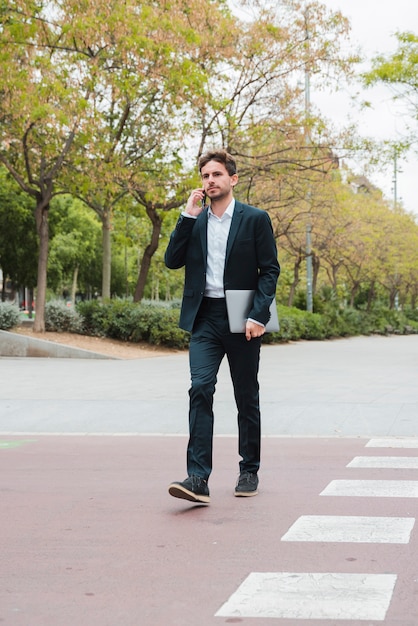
(203, 200)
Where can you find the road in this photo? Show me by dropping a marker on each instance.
(91, 536)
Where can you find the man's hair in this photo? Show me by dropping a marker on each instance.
(221, 156)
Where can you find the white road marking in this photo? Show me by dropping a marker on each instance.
(385, 462)
(353, 528)
(88, 434)
(372, 488)
(312, 596)
(407, 442)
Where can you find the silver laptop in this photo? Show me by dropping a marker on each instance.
(238, 304)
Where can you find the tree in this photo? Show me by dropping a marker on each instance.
(44, 95)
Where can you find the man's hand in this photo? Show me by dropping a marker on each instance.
(253, 330)
(194, 203)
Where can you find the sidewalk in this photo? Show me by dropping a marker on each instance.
(364, 386)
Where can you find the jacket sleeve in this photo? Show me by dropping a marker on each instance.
(268, 270)
(175, 254)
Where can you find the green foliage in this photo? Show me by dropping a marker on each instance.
(411, 314)
(400, 67)
(9, 315)
(95, 317)
(296, 324)
(61, 318)
(157, 323)
(18, 241)
(127, 321)
(75, 246)
(386, 321)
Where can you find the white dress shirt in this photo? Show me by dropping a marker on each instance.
(218, 231)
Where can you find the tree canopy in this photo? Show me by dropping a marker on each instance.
(112, 103)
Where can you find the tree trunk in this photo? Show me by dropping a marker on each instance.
(370, 297)
(316, 263)
(107, 255)
(29, 303)
(41, 215)
(392, 297)
(354, 291)
(295, 282)
(74, 285)
(148, 253)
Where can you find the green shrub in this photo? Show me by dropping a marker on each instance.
(9, 315)
(61, 318)
(411, 314)
(95, 317)
(297, 324)
(157, 322)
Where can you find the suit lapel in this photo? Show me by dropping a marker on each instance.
(235, 223)
(203, 232)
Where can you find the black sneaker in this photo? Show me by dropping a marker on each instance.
(247, 484)
(193, 488)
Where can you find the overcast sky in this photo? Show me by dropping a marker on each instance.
(373, 24)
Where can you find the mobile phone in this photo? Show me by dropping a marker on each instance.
(203, 200)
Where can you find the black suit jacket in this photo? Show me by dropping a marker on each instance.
(250, 263)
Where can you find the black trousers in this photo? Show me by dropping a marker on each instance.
(210, 341)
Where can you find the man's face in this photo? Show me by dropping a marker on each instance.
(217, 182)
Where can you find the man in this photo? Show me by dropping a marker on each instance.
(228, 245)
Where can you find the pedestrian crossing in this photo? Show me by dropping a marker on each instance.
(385, 462)
(327, 596)
(352, 529)
(372, 488)
(335, 595)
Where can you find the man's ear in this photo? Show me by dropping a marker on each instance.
(234, 180)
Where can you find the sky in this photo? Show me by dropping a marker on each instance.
(373, 24)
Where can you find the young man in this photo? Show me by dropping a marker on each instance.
(228, 245)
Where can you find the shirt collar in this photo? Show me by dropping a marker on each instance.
(229, 209)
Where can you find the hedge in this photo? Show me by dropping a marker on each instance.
(157, 322)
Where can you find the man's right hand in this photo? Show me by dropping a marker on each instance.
(194, 203)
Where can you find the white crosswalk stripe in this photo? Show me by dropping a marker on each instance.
(353, 529)
(407, 442)
(372, 488)
(314, 596)
(385, 462)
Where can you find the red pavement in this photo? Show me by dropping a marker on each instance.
(90, 536)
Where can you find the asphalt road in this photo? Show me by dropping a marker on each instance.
(90, 536)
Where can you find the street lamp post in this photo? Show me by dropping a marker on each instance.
(309, 293)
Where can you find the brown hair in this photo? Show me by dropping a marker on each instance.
(221, 156)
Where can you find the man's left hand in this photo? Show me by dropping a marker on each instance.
(253, 330)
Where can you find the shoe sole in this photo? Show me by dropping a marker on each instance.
(245, 494)
(177, 491)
